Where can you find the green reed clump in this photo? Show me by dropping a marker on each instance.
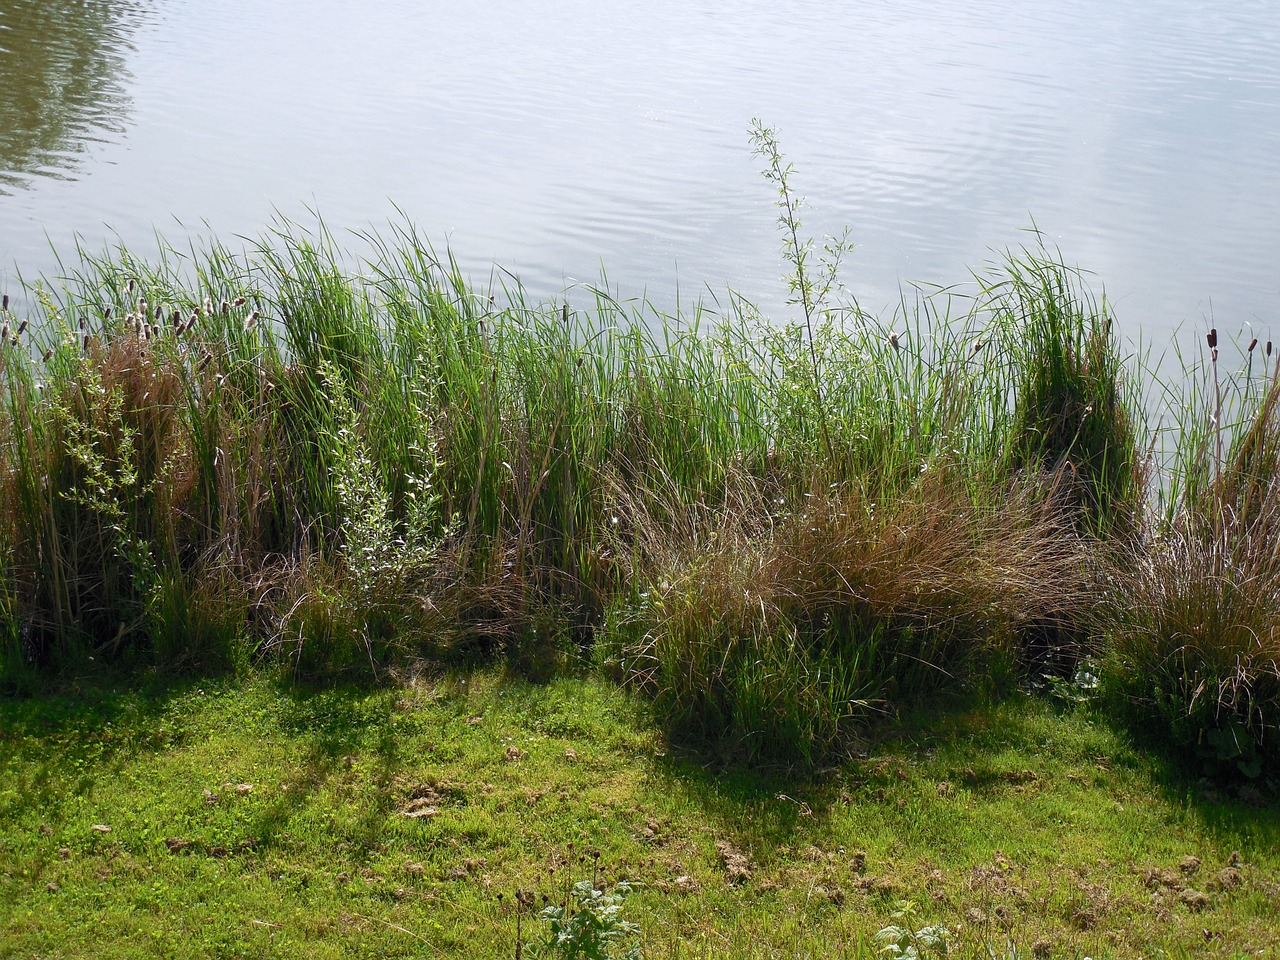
(1074, 407)
(1193, 642)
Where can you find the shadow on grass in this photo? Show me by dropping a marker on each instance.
(87, 725)
(86, 729)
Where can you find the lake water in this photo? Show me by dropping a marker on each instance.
(556, 137)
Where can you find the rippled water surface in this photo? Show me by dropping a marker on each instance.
(556, 137)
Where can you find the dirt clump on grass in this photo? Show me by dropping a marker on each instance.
(737, 866)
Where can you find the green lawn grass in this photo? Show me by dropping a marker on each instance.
(252, 817)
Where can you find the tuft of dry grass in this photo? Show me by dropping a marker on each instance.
(783, 628)
(1193, 645)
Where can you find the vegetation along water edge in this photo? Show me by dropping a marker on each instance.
(787, 542)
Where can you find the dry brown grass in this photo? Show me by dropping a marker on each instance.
(781, 629)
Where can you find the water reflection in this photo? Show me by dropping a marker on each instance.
(62, 83)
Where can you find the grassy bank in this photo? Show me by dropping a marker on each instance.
(780, 533)
(248, 818)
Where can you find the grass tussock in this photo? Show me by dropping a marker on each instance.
(1194, 648)
(782, 634)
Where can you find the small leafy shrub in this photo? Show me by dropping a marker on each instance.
(900, 941)
(589, 925)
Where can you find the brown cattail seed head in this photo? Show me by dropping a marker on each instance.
(893, 340)
(131, 288)
(48, 355)
(204, 361)
(1214, 355)
(253, 318)
(1252, 343)
(208, 306)
(159, 313)
(142, 305)
(4, 305)
(176, 319)
(977, 345)
(84, 345)
(240, 302)
(82, 324)
(1268, 348)
(1212, 337)
(22, 327)
(106, 314)
(226, 308)
(4, 330)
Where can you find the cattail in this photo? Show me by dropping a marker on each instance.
(253, 319)
(240, 302)
(106, 314)
(4, 330)
(1268, 348)
(137, 326)
(204, 362)
(893, 340)
(159, 313)
(208, 306)
(84, 345)
(1214, 355)
(977, 345)
(131, 287)
(176, 320)
(48, 355)
(4, 304)
(564, 314)
(146, 331)
(226, 308)
(1252, 343)
(82, 323)
(1212, 338)
(22, 327)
